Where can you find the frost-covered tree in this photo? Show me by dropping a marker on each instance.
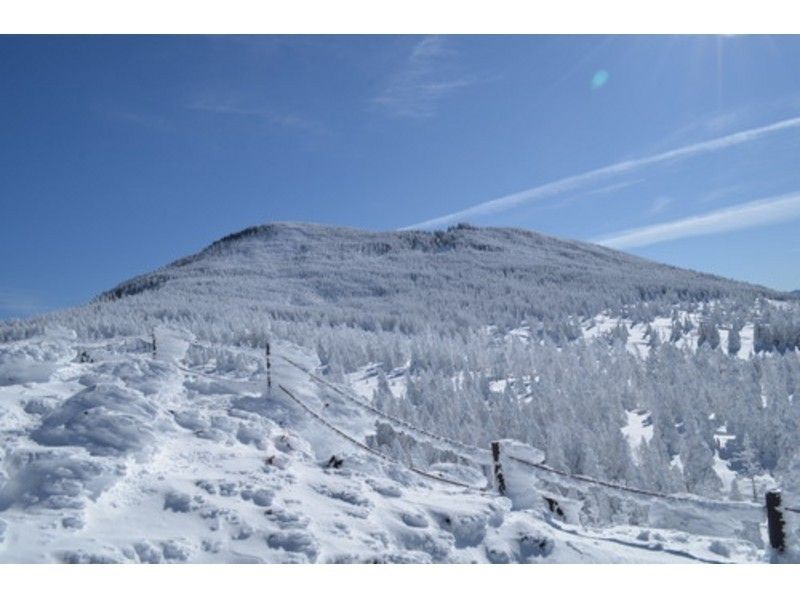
(688, 326)
(676, 332)
(748, 464)
(734, 493)
(698, 468)
(653, 339)
(707, 334)
(620, 332)
(734, 341)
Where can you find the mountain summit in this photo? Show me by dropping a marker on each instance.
(443, 279)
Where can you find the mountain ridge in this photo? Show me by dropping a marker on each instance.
(412, 279)
(416, 239)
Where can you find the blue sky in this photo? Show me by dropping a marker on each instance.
(121, 154)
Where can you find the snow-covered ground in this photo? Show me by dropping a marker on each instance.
(638, 429)
(638, 341)
(364, 381)
(113, 453)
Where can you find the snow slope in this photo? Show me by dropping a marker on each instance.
(136, 457)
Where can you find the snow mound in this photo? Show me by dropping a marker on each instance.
(51, 480)
(32, 362)
(103, 419)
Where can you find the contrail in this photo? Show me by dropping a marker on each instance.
(507, 202)
(746, 215)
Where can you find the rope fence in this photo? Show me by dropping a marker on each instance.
(386, 416)
(370, 450)
(630, 489)
(774, 508)
(539, 466)
(341, 433)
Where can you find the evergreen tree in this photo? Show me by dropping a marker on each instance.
(734, 493)
(698, 468)
(677, 332)
(708, 334)
(748, 464)
(734, 341)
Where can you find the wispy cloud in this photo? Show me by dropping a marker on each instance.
(658, 205)
(736, 118)
(721, 193)
(739, 217)
(594, 192)
(234, 107)
(422, 81)
(513, 200)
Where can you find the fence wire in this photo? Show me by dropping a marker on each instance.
(629, 489)
(485, 453)
(364, 405)
(341, 433)
(370, 450)
(697, 500)
(539, 466)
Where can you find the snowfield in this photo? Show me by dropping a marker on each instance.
(135, 457)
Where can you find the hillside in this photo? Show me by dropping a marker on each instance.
(150, 425)
(371, 279)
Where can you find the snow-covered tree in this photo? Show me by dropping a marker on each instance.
(734, 341)
(698, 468)
(707, 334)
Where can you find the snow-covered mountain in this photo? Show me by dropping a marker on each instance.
(148, 426)
(493, 274)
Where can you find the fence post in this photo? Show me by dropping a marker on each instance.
(775, 521)
(499, 478)
(269, 369)
(153, 334)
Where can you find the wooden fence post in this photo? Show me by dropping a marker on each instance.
(775, 521)
(153, 334)
(499, 478)
(269, 369)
